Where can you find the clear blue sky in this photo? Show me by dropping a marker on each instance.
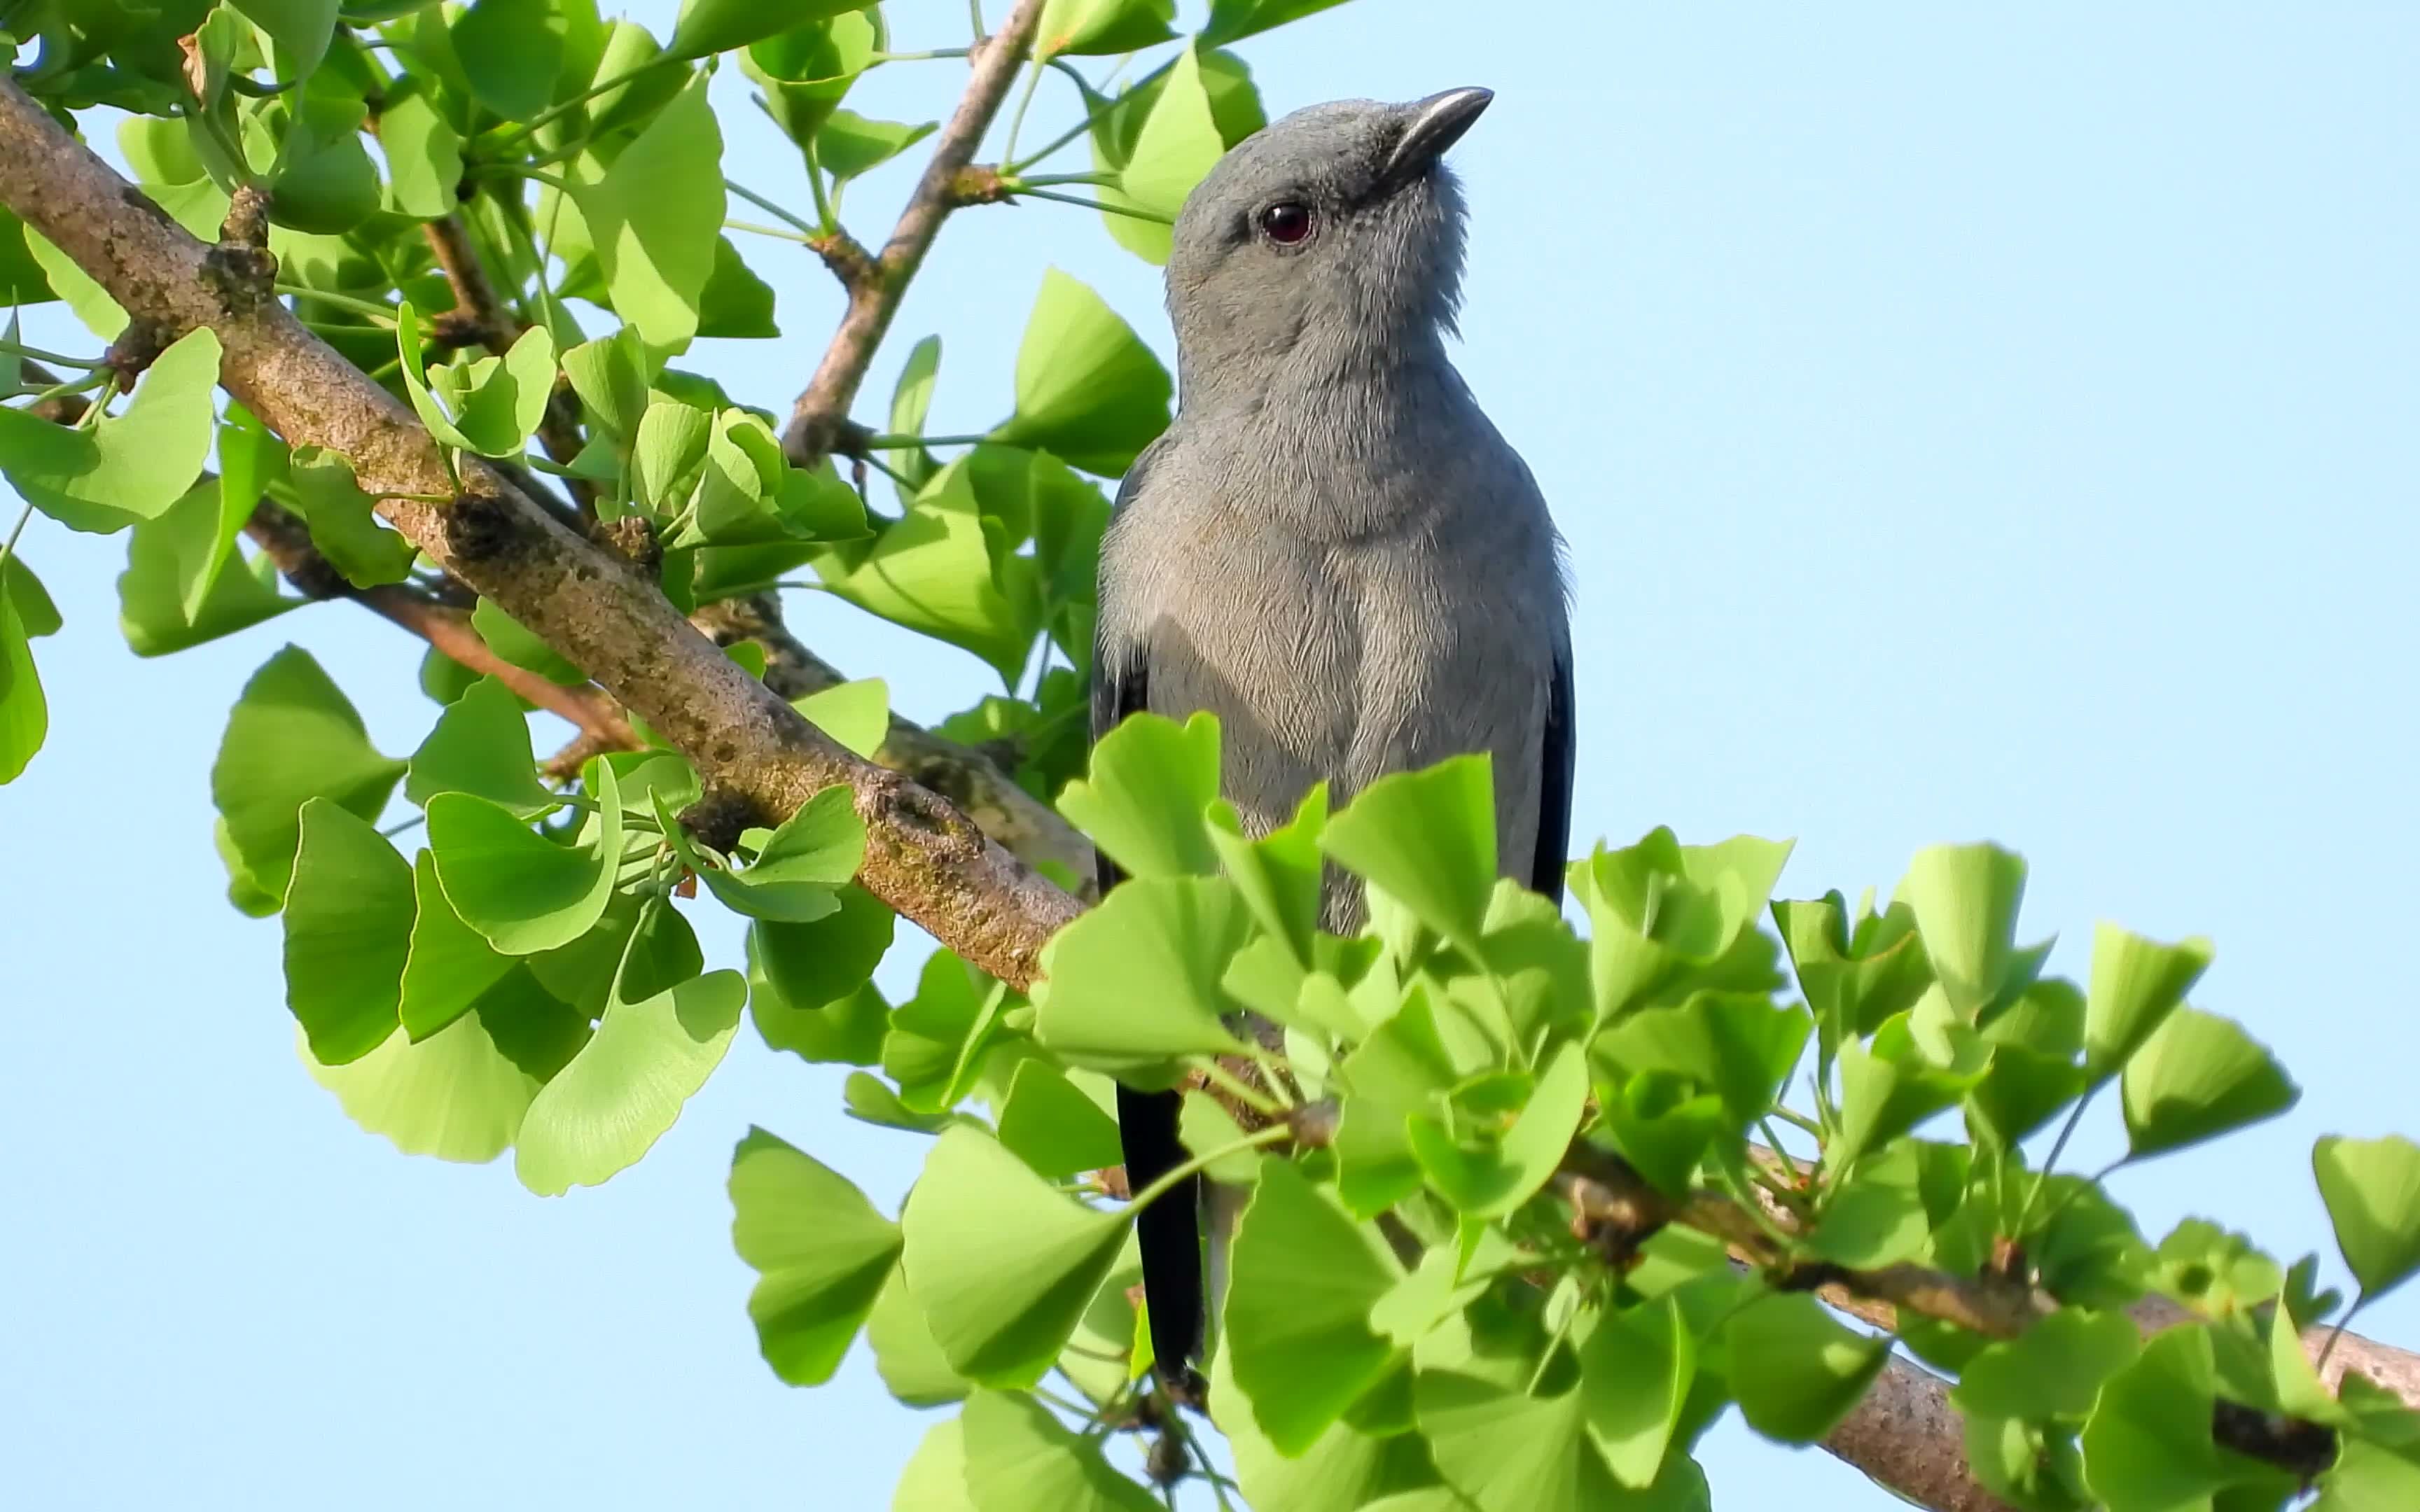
(1965, 427)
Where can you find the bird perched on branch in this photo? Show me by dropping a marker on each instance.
(1332, 549)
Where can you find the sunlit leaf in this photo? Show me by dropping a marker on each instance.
(348, 913)
(1021, 1458)
(1087, 390)
(480, 746)
(618, 1096)
(1000, 1264)
(2372, 1187)
(1136, 981)
(655, 217)
(127, 467)
(1142, 800)
(2136, 984)
(1297, 1312)
(524, 892)
(1809, 1369)
(2196, 1077)
(292, 736)
(820, 1250)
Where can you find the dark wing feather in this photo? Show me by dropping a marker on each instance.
(1169, 1232)
(1555, 787)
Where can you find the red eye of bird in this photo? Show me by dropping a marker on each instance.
(1286, 222)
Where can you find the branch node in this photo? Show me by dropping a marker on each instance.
(979, 183)
(136, 347)
(247, 218)
(459, 328)
(848, 260)
(633, 540)
(479, 529)
(720, 818)
(240, 270)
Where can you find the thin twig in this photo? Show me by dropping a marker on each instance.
(822, 409)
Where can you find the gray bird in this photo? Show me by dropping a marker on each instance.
(1332, 549)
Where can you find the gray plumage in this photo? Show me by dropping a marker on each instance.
(1332, 548)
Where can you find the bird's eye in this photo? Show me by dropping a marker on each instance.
(1286, 222)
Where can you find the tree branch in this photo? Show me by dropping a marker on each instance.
(822, 409)
(1004, 810)
(286, 541)
(751, 748)
(1904, 1435)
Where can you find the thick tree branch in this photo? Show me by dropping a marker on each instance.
(969, 779)
(817, 420)
(1904, 1435)
(749, 746)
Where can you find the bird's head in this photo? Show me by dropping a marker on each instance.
(1334, 234)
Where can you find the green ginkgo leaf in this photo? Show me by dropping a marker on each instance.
(655, 217)
(348, 913)
(1087, 390)
(1143, 798)
(291, 737)
(525, 892)
(1305, 1276)
(2196, 1077)
(1001, 1264)
(301, 29)
(2372, 1187)
(25, 712)
(127, 467)
(627, 1085)
(820, 1250)
(491, 405)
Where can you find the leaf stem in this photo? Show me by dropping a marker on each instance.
(1797, 1120)
(1095, 179)
(8, 548)
(827, 202)
(563, 107)
(1024, 100)
(40, 396)
(778, 233)
(371, 308)
(2336, 1333)
(1169, 1182)
(1243, 1092)
(1089, 121)
(58, 359)
(900, 443)
(806, 229)
(2041, 1177)
(1020, 189)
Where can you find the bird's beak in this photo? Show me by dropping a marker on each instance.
(1436, 123)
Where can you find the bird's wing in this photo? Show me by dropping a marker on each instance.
(1555, 787)
(1169, 1232)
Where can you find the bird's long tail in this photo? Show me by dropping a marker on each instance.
(1169, 1233)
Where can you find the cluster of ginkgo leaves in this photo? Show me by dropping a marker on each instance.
(1415, 1320)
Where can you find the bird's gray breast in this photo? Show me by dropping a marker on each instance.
(1344, 657)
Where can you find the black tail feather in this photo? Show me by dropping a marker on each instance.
(1168, 1231)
